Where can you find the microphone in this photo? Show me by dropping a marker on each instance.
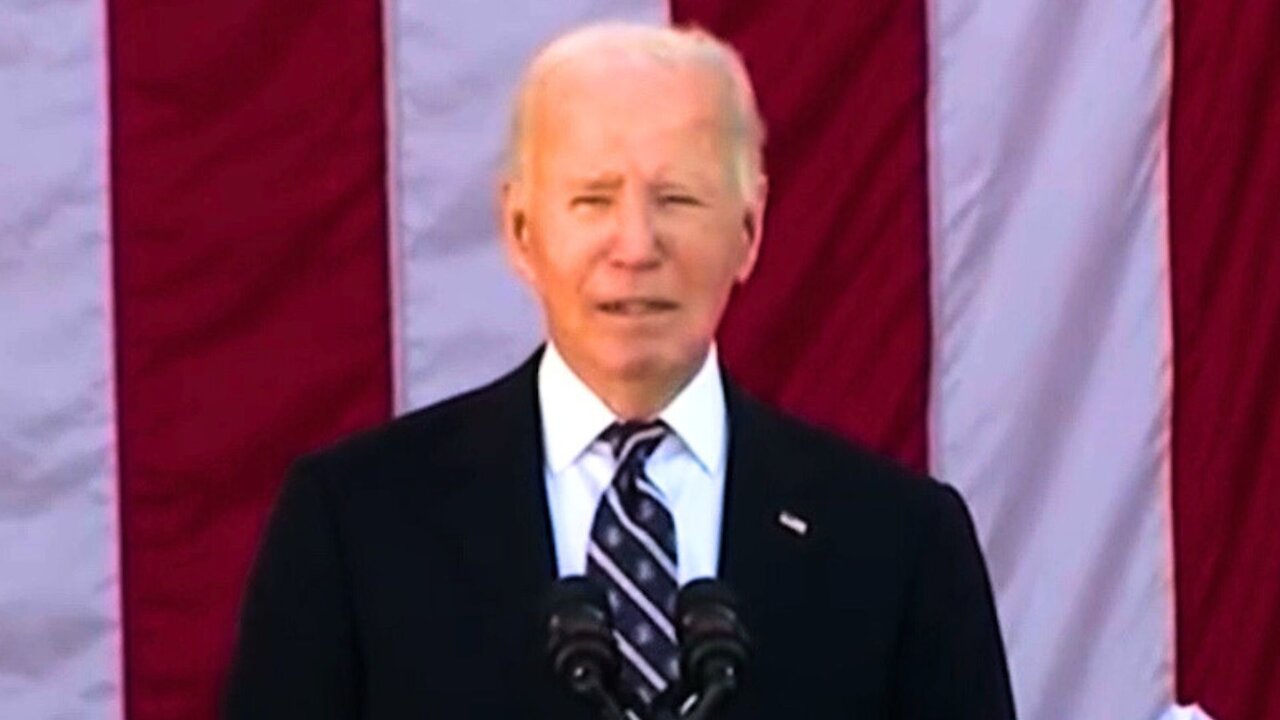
(580, 643)
(714, 646)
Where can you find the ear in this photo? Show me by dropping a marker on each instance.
(514, 221)
(753, 228)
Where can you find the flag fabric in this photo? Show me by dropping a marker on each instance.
(1031, 247)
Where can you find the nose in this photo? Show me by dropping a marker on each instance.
(635, 243)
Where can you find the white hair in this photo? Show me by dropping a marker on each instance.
(680, 45)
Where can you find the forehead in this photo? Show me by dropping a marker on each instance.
(591, 114)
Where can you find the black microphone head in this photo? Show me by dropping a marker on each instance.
(713, 640)
(705, 592)
(580, 642)
(574, 591)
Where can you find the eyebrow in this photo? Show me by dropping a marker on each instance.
(677, 185)
(599, 182)
(610, 182)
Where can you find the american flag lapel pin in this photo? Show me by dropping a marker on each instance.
(793, 522)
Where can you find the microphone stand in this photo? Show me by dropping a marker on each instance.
(588, 684)
(720, 686)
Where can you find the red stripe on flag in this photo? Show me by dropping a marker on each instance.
(1225, 186)
(835, 323)
(252, 304)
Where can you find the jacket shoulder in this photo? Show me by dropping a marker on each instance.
(441, 434)
(843, 475)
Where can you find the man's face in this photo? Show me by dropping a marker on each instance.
(629, 223)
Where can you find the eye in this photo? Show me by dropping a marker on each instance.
(590, 201)
(678, 199)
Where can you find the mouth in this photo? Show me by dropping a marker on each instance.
(636, 307)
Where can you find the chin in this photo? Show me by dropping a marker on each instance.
(641, 360)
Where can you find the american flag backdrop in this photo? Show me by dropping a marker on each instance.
(1031, 246)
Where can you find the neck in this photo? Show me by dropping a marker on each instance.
(638, 400)
(640, 393)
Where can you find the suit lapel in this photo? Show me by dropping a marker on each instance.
(501, 517)
(759, 490)
(769, 565)
(500, 508)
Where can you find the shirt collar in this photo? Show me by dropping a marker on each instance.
(697, 415)
(573, 416)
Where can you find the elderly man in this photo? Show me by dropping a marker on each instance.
(403, 570)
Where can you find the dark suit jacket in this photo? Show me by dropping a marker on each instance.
(403, 571)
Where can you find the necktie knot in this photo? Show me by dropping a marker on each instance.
(633, 440)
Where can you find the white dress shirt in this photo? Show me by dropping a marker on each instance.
(688, 466)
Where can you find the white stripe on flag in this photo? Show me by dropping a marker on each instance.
(1051, 389)
(462, 318)
(59, 581)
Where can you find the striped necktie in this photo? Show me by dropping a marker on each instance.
(632, 553)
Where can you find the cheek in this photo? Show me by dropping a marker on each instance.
(707, 282)
(562, 269)
(712, 267)
(571, 268)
